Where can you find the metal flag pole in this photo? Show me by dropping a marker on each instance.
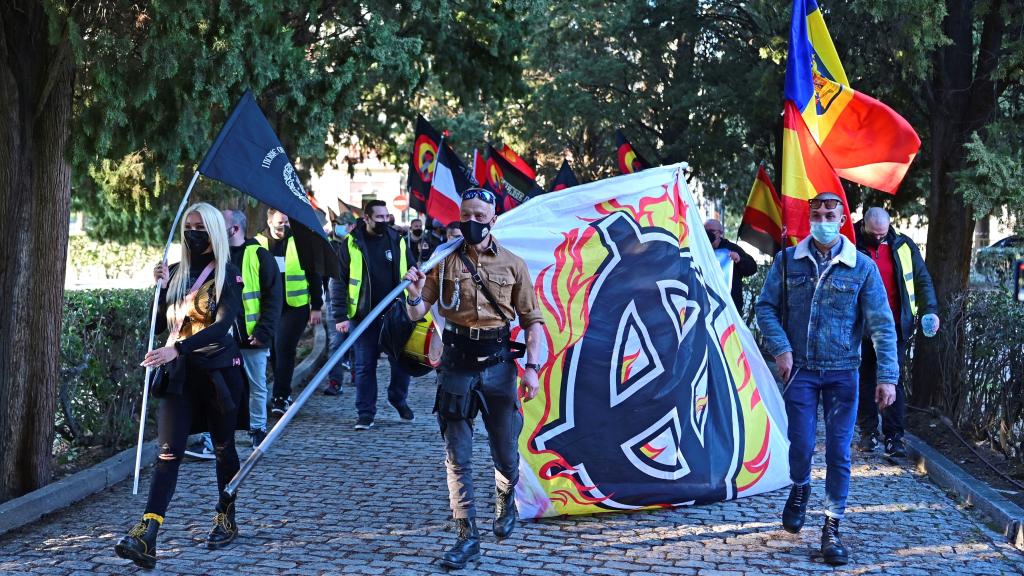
(440, 254)
(152, 327)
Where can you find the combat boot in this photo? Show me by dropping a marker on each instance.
(224, 527)
(139, 545)
(466, 548)
(795, 510)
(832, 549)
(505, 512)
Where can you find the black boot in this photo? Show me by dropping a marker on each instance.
(505, 512)
(795, 510)
(466, 548)
(224, 527)
(832, 549)
(139, 545)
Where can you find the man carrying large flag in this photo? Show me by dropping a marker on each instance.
(834, 296)
(629, 159)
(761, 226)
(864, 140)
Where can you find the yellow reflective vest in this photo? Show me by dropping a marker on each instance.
(296, 290)
(906, 261)
(251, 287)
(355, 270)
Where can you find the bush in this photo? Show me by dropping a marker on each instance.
(92, 260)
(994, 266)
(103, 340)
(985, 392)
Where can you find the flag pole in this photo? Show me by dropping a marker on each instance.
(152, 327)
(231, 489)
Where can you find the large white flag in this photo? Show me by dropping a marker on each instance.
(653, 392)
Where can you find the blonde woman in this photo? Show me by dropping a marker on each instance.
(198, 375)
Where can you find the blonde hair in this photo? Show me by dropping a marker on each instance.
(178, 286)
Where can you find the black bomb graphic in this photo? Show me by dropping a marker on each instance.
(650, 412)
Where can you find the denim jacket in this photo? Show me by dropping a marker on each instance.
(828, 311)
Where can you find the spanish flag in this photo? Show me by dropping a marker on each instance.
(629, 159)
(805, 173)
(762, 218)
(865, 141)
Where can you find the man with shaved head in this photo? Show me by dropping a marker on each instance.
(909, 288)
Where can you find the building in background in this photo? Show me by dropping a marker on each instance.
(372, 179)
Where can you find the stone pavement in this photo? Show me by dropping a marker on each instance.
(330, 500)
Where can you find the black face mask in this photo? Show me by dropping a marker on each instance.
(872, 241)
(197, 241)
(712, 236)
(474, 232)
(415, 233)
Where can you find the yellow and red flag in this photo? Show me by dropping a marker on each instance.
(866, 141)
(805, 174)
(630, 160)
(762, 218)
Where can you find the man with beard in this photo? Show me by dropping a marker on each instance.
(373, 261)
(479, 289)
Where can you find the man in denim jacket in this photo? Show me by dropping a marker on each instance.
(834, 294)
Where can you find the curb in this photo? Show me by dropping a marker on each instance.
(310, 361)
(1005, 516)
(66, 491)
(60, 494)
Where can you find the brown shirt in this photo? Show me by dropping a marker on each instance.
(504, 274)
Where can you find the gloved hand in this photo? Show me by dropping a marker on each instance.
(930, 324)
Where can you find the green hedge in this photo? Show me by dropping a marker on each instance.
(103, 340)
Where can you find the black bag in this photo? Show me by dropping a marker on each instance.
(456, 399)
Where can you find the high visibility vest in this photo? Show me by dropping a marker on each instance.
(296, 290)
(355, 271)
(251, 287)
(907, 267)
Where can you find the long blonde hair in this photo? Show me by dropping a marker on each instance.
(178, 286)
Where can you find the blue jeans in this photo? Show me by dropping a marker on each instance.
(367, 352)
(334, 341)
(837, 390)
(255, 362)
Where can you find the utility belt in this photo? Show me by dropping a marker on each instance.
(459, 398)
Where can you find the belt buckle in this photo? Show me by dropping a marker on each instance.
(474, 333)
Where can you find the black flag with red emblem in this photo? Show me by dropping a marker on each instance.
(421, 164)
(564, 179)
(513, 186)
(629, 160)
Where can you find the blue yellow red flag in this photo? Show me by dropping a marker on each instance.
(865, 141)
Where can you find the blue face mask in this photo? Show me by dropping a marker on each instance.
(825, 232)
(340, 231)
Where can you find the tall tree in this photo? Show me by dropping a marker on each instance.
(970, 76)
(119, 99)
(36, 83)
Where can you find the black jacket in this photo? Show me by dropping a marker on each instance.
(271, 297)
(314, 284)
(924, 290)
(339, 289)
(745, 267)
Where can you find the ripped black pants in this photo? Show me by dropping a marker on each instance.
(174, 422)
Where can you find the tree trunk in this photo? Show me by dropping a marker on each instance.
(965, 95)
(36, 90)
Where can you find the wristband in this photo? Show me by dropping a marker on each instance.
(414, 301)
(536, 367)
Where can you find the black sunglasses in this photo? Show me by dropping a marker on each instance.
(485, 195)
(828, 203)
